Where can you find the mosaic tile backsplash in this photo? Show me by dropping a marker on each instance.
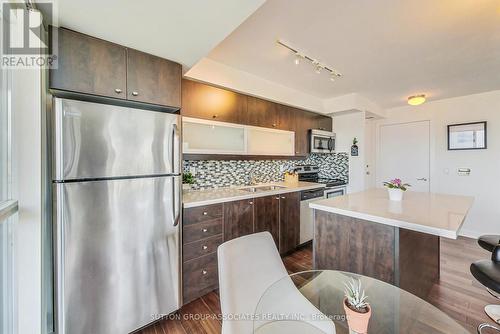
(219, 173)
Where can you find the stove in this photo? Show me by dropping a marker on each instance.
(310, 173)
(330, 182)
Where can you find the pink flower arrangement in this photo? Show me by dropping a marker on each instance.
(397, 184)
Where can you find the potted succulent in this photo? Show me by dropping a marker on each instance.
(356, 308)
(396, 189)
(187, 180)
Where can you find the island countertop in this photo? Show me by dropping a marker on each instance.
(438, 214)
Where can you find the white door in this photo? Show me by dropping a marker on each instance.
(404, 152)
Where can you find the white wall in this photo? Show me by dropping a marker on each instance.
(350, 102)
(26, 118)
(346, 127)
(484, 181)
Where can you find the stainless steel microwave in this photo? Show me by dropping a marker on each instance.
(322, 141)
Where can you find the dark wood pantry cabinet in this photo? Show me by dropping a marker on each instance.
(88, 65)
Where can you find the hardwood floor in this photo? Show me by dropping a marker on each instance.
(457, 293)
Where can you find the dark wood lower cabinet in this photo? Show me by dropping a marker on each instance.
(238, 218)
(289, 222)
(206, 227)
(267, 216)
(200, 276)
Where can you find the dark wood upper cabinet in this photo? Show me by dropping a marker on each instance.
(208, 102)
(289, 222)
(261, 113)
(323, 123)
(238, 218)
(152, 79)
(89, 65)
(302, 122)
(267, 213)
(285, 117)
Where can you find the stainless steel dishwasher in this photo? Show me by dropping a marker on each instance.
(306, 213)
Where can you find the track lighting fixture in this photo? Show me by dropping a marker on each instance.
(318, 66)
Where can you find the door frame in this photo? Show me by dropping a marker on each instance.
(378, 129)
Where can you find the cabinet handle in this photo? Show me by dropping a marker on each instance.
(204, 247)
(205, 213)
(277, 197)
(282, 197)
(204, 272)
(274, 125)
(251, 203)
(135, 93)
(118, 90)
(214, 116)
(204, 230)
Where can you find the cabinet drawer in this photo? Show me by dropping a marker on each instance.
(200, 276)
(199, 231)
(202, 213)
(202, 247)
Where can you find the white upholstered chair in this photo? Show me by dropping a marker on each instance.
(247, 267)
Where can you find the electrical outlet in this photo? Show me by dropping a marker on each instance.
(463, 171)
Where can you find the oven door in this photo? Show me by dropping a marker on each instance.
(322, 143)
(335, 192)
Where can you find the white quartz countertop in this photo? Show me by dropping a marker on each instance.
(194, 198)
(437, 214)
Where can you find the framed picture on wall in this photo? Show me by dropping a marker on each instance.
(467, 136)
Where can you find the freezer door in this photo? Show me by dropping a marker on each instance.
(117, 254)
(93, 140)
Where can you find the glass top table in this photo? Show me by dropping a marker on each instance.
(308, 302)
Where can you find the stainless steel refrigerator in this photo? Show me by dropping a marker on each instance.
(116, 190)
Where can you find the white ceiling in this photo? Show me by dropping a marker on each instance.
(386, 49)
(183, 31)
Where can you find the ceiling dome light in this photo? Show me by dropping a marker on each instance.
(416, 100)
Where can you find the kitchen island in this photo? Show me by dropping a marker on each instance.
(396, 242)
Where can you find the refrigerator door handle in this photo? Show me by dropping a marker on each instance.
(175, 149)
(175, 204)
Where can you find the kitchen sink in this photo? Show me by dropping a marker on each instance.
(261, 188)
